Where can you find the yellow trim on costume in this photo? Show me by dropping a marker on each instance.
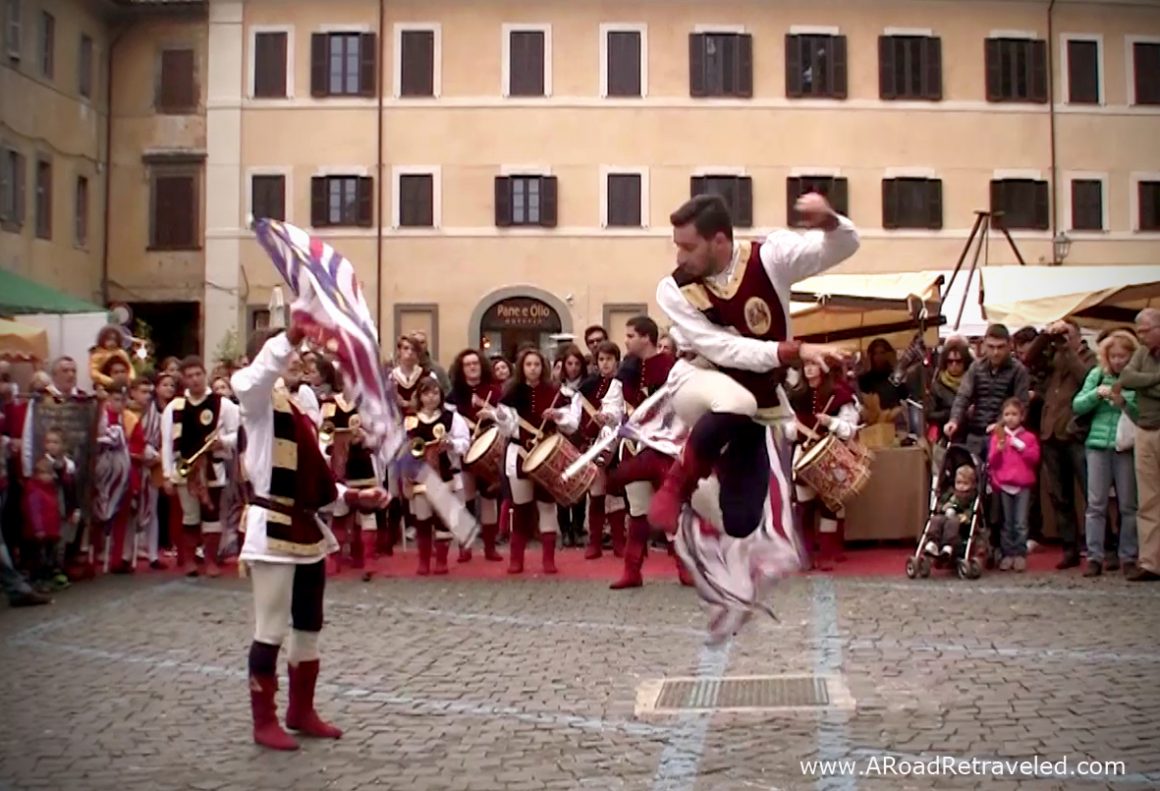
(328, 409)
(361, 483)
(729, 290)
(178, 403)
(280, 500)
(697, 296)
(290, 548)
(285, 454)
(410, 423)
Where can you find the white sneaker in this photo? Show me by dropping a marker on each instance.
(947, 551)
(1032, 546)
(931, 548)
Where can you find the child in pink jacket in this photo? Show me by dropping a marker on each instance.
(1013, 461)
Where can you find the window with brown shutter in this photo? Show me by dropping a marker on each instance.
(910, 67)
(834, 189)
(176, 92)
(912, 203)
(416, 200)
(13, 29)
(337, 201)
(736, 190)
(82, 211)
(721, 64)
(343, 64)
(623, 67)
(1149, 198)
(1146, 62)
(268, 196)
(12, 192)
(1087, 205)
(526, 63)
(815, 67)
(624, 200)
(47, 45)
(526, 200)
(1016, 70)
(1020, 204)
(85, 68)
(1083, 72)
(417, 63)
(43, 199)
(270, 53)
(174, 216)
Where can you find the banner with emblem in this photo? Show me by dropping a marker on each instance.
(77, 419)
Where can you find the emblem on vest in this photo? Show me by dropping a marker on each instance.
(205, 417)
(758, 316)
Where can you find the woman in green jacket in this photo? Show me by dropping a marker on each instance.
(1107, 466)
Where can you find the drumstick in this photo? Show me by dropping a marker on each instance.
(808, 431)
(544, 422)
(478, 423)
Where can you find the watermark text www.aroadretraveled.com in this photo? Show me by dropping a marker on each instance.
(887, 765)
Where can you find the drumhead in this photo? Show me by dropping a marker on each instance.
(541, 452)
(481, 444)
(813, 453)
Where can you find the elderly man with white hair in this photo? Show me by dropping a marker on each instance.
(1142, 374)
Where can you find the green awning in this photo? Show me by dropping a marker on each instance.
(20, 296)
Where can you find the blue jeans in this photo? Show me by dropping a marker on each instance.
(1105, 468)
(1013, 538)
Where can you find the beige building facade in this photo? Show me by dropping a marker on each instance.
(501, 171)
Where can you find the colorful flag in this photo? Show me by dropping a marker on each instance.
(330, 305)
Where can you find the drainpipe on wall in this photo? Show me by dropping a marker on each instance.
(1051, 123)
(106, 221)
(379, 174)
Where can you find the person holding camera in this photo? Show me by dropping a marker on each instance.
(1059, 352)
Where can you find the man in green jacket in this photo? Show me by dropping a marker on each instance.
(1142, 374)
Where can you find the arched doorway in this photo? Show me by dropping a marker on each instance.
(507, 319)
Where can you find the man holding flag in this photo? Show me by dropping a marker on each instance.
(289, 485)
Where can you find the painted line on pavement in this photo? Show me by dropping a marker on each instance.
(458, 615)
(54, 622)
(681, 757)
(420, 705)
(967, 587)
(833, 730)
(1014, 652)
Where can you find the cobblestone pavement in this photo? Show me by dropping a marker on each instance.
(454, 684)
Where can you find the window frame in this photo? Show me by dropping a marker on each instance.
(837, 66)
(743, 182)
(252, 61)
(397, 174)
(744, 88)
(363, 180)
(1130, 43)
(13, 29)
(505, 177)
(1042, 185)
(194, 173)
(47, 42)
(42, 221)
(18, 176)
(86, 86)
(932, 223)
(81, 239)
(606, 28)
(1065, 40)
(1134, 180)
(1031, 40)
(1067, 200)
(812, 174)
(368, 62)
(507, 28)
(160, 103)
(287, 175)
(605, 196)
(436, 29)
(933, 48)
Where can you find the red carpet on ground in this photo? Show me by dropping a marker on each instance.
(877, 561)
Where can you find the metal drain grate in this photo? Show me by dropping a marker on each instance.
(747, 693)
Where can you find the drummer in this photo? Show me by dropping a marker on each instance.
(440, 435)
(595, 390)
(472, 388)
(823, 404)
(530, 406)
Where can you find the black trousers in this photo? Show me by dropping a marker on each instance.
(1063, 463)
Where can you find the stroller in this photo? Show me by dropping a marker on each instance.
(967, 558)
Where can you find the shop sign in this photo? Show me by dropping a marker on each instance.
(521, 313)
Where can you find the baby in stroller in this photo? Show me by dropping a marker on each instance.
(951, 529)
(952, 517)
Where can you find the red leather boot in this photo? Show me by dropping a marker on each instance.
(616, 528)
(300, 714)
(680, 482)
(424, 540)
(595, 528)
(442, 550)
(213, 542)
(267, 730)
(548, 544)
(634, 554)
(520, 526)
(489, 534)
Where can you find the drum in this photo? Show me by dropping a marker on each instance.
(833, 470)
(546, 464)
(484, 458)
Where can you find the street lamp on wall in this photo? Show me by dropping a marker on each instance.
(1061, 247)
